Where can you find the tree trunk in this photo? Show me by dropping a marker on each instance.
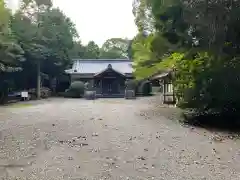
(53, 84)
(38, 90)
(2, 96)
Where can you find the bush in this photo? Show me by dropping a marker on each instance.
(131, 84)
(144, 88)
(89, 86)
(76, 90)
(210, 87)
(44, 93)
(225, 121)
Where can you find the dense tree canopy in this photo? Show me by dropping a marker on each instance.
(115, 48)
(199, 40)
(10, 52)
(92, 51)
(45, 34)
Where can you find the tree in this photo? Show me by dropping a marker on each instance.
(92, 51)
(34, 42)
(78, 50)
(11, 54)
(46, 35)
(59, 32)
(157, 38)
(115, 48)
(202, 46)
(144, 19)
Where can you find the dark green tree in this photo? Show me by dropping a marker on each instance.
(92, 51)
(46, 35)
(115, 48)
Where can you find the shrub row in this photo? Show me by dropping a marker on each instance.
(77, 88)
(44, 93)
(142, 88)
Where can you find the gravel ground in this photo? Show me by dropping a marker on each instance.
(109, 139)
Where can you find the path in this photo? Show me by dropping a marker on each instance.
(108, 139)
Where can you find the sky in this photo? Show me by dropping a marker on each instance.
(98, 20)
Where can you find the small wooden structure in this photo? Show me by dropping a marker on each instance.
(165, 80)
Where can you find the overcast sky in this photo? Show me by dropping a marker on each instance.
(98, 20)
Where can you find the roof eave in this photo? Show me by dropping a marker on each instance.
(108, 69)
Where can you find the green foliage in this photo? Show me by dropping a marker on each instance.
(168, 34)
(92, 51)
(199, 42)
(141, 87)
(144, 88)
(51, 38)
(11, 54)
(46, 35)
(115, 48)
(78, 50)
(40, 39)
(196, 76)
(131, 84)
(143, 16)
(76, 89)
(198, 79)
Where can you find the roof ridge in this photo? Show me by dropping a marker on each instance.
(97, 65)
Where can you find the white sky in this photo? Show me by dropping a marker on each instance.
(98, 20)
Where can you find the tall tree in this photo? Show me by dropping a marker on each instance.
(33, 43)
(11, 54)
(92, 51)
(10, 51)
(59, 32)
(203, 40)
(144, 18)
(168, 33)
(78, 50)
(46, 36)
(115, 48)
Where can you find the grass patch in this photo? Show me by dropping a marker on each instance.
(19, 105)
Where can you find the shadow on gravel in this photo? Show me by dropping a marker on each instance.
(213, 122)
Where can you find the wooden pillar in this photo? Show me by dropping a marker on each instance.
(101, 85)
(164, 91)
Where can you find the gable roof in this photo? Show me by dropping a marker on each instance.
(107, 69)
(160, 74)
(94, 66)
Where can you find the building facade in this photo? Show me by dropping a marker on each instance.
(106, 76)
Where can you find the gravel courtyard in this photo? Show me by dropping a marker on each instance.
(112, 139)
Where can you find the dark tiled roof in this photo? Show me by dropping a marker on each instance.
(90, 66)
